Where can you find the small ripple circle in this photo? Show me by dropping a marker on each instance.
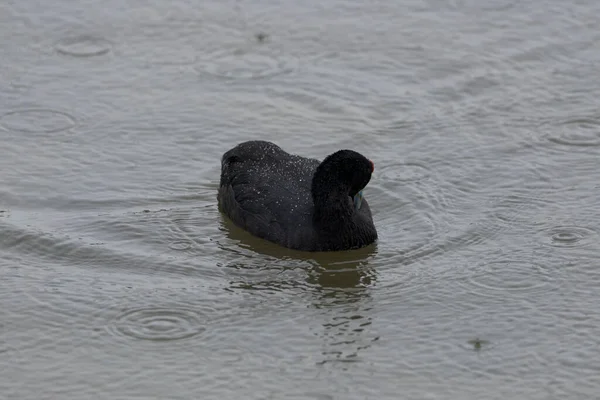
(578, 132)
(158, 324)
(568, 236)
(509, 277)
(180, 245)
(83, 46)
(37, 120)
(248, 64)
(405, 172)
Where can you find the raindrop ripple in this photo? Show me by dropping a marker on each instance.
(158, 324)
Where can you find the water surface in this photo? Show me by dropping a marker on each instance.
(121, 280)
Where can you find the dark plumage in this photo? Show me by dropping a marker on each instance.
(297, 202)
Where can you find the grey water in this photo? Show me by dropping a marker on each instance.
(119, 279)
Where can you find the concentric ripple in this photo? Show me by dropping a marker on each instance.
(517, 208)
(404, 172)
(246, 64)
(568, 236)
(83, 46)
(180, 245)
(511, 277)
(582, 132)
(163, 53)
(37, 120)
(158, 324)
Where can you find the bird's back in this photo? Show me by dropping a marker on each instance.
(267, 191)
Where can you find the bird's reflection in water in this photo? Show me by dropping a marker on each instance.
(342, 283)
(339, 284)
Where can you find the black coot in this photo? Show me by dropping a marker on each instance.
(297, 202)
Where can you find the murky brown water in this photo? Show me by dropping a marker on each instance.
(120, 280)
